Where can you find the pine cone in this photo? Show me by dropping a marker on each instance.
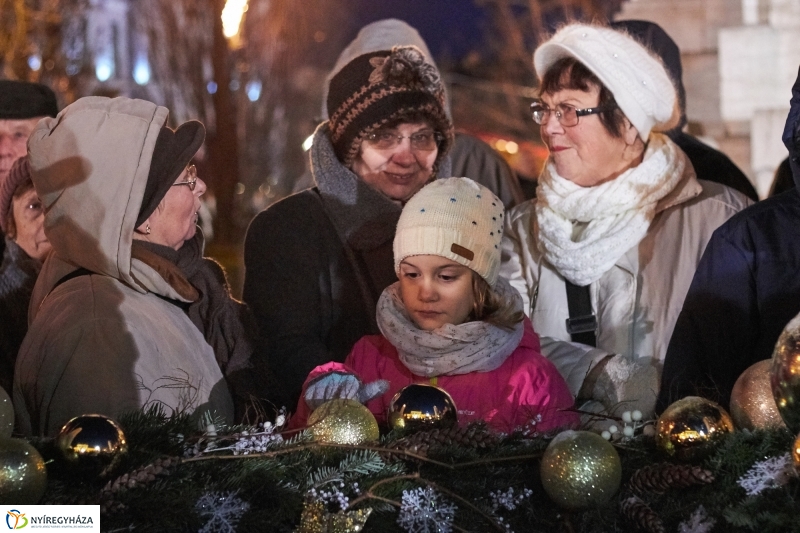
(140, 476)
(638, 512)
(476, 435)
(661, 477)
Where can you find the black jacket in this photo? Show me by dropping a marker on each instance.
(745, 290)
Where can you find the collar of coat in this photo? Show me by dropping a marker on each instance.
(364, 218)
(164, 260)
(686, 189)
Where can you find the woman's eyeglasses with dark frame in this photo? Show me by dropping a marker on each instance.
(566, 114)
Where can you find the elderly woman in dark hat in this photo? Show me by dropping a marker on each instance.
(26, 245)
(316, 262)
(126, 312)
(22, 105)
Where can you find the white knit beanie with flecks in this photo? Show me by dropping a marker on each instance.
(454, 218)
(636, 77)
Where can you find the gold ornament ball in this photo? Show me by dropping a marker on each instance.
(23, 476)
(690, 428)
(343, 422)
(752, 403)
(420, 406)
(6, 414)
(91, 445)
(796, 454)
(785, 375)
(580, 469)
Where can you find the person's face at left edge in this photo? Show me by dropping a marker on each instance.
(14, 141)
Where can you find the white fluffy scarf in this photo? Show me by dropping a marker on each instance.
(450, 350)
(611, 217)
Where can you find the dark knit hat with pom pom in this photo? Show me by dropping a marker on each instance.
(381, 87)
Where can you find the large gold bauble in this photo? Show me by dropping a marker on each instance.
(343, 422)
(580, 469)
(690, 428)
(92, 445)
(23, 476)
(796, 454)
(785, 375)
(752, 403)
(6, 415)
(422, 406)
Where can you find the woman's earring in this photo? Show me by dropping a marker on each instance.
(147, 229)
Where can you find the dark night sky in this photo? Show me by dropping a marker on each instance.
(451, 27)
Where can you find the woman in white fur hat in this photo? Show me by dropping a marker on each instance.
(603, 256)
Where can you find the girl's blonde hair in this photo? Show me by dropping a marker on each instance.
(492, 307)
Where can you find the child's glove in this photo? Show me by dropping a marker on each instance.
(334, 385)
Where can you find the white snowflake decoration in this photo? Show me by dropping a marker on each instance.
(699, 522)
(334, 495)
(223, 510)
(767, 474)
(508, 500)
(422, 511)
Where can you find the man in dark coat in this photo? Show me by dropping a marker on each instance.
(708, 163)
(744, 292)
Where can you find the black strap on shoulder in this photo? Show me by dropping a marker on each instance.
(582, 323)
(74, 274)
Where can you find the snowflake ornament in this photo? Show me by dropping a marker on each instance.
(508, 500)
(223, 511)
(767, 474)
(422, 511)
(699, 522)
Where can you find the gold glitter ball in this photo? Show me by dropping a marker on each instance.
(23, 476)
(785, 374)
(752, 403)
(690, 428)
(580, 469)
(343, 422)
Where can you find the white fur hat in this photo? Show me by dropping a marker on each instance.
(637, 79)
(454, 218)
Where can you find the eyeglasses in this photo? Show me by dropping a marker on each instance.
(424, 141)
(566, 114)
(191, 171)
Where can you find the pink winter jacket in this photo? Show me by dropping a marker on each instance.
(524, 386)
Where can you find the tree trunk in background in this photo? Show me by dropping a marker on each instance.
(223, 146)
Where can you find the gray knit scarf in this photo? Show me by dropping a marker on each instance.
(449, 350)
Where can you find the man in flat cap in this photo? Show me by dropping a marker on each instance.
(22, 104)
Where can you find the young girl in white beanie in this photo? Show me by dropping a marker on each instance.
(450, 321)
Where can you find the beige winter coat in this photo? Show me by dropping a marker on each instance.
(107, 342)
(636, 302)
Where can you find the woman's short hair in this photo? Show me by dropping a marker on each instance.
(492, 307)
(11, 225)
(569, 73)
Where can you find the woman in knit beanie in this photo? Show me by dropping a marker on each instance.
(316, 262)
(451, 321)
(26, 245)
(605, 253)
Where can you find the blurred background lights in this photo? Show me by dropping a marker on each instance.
(308, 142)
(104, 68)
(211, 87)
(141, 70)
(512, 147)
(35, 62)
(232, 17)
(253, 89)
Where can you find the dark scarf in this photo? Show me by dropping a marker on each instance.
(226, 323)
(365, 220)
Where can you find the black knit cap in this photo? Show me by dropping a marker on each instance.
(21, 99)
(379, 87)
(173, 152)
